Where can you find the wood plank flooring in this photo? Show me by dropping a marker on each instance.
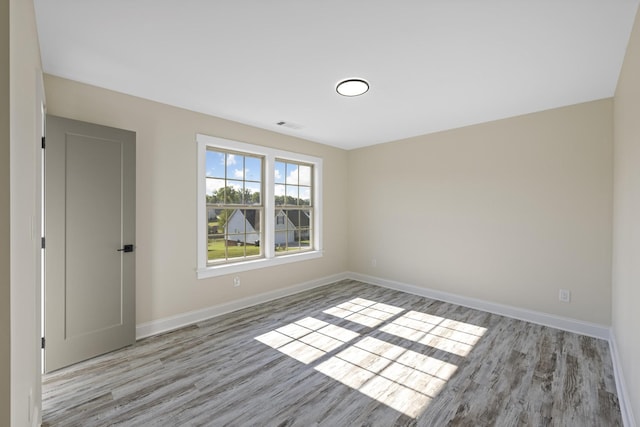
(347, 354)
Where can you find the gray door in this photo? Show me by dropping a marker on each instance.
(89, 218)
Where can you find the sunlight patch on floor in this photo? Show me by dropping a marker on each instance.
(444, 334)
(308, 339)
(402, 379)
(364, 312)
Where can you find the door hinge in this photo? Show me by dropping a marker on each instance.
(43, 243)
(42, 342)
(43, 142)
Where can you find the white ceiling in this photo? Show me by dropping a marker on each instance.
(432, 64)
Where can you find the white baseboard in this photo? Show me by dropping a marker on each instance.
(540, 318)
(621, 386)
(166, 324)
(154, 327)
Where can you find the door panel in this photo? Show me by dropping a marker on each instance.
(89, 215)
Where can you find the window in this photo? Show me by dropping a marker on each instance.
(257, 206)
(294, 207)
(234, 205)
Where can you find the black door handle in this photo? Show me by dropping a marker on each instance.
(127, 248)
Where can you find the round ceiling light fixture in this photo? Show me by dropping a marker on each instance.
(352, 87)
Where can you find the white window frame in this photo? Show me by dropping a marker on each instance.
(269, 259)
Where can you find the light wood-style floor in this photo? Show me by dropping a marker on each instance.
(347, 354)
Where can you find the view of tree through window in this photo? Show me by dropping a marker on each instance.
(234, 205)
(293, 194)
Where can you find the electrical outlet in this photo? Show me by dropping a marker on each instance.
(374, 262)
(564, 295)
(236, 281)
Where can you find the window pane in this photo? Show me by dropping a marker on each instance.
(251, 219)
(280, 192)
(237, 234)
(215, 190)
(235, 166)
(253, 169)
(305, 228)
(305, 175)
(294, 218)
(280, 174)
(252, 193)
(212, 218)
(292, 195)
(305, 218)
(215, 164)
(304, 237)
(305, 196)
(233, 192)
(235, 246)
(292, 173)
(216, 247)
(281, 240)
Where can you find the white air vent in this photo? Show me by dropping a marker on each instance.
(289, 125)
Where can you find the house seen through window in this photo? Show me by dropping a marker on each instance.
(236, 201)
(294, 208)
(234, 189)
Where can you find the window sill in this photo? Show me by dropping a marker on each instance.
(239, 267)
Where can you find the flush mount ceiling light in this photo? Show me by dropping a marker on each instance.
(352, 87)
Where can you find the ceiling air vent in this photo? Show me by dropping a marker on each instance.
(289, 125)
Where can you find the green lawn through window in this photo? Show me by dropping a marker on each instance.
(216, 250)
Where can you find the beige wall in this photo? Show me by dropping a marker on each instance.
(25, 135)
(626, 219)
(508, 211)
(166, 199)
(5, 258)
